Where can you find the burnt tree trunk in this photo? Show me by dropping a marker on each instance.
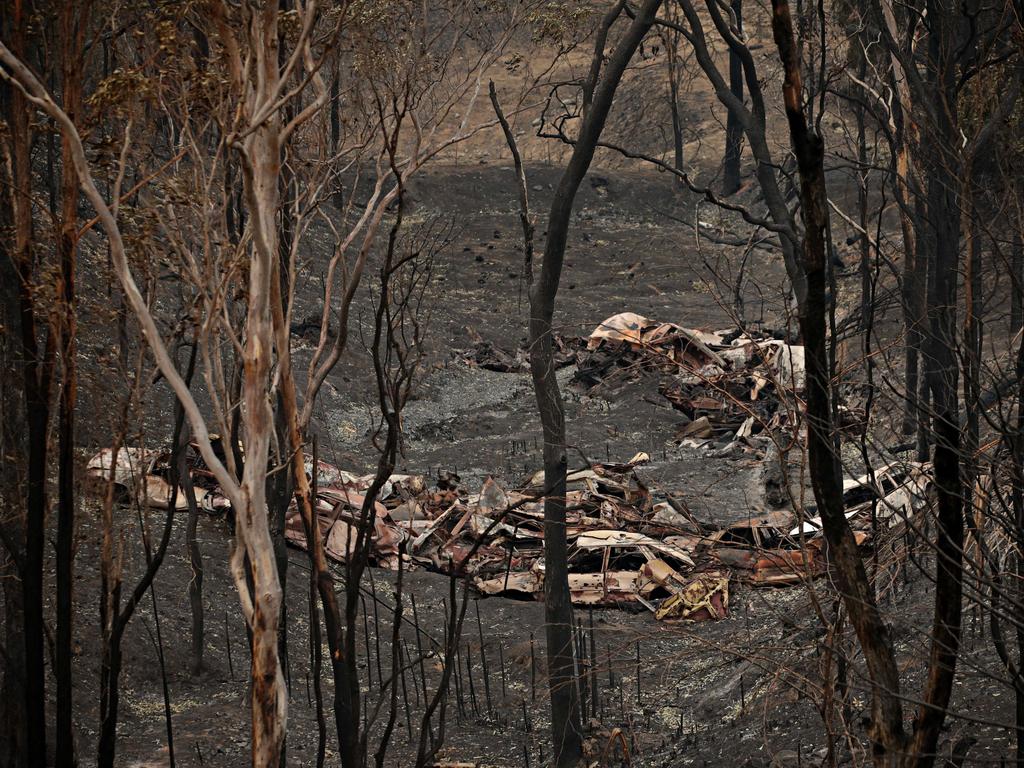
(862, 215)
(36, 367)
(1008, 592)
(942, 372)
(825, 473)
(1016, 284)
(14, 749)
(1017, 496)
(672, 58)
(340, 630)
(909, 199)
(72, 31)
(924, 267)
(677, 123)
(114, 619)
(753, 122)
(566, 724)
(972, 342)
(733, 125)
(911, 317)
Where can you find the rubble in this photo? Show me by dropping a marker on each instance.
(629, 342)
(701, 597)
(728, 386)
(899, 491)
(145, 473)
(630, 546)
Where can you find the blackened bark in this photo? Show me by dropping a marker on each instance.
(13, 442)
(71, 65)
(866, 307)
(192, 548)
(110, 702)
(65, 549)
(971, 358)
(913, 264)
(390, 399)
(753, 122)
(36, 372)
(733, 126)
(671, 39)
(824, 469)
(13, 727)
(566, 722)
(911, 278)
(13, 747)
(943, 374)
(396, 638)
(1006, 600)
(340, 630)
(677, 122)
(1017, 284)
(525, 219)
(110, 694)
(1017, 479)
(924, 268)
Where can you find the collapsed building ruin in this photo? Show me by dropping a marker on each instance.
(631, 545)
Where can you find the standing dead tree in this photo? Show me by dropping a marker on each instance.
(677, 74)
(73, 22)
(825, 471)
(434, 62)
(733, 129)
(25, 541)
(598, 88)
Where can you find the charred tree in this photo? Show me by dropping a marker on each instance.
(944, 174)
(599, 92)
(675, 70)
(13, 442)
(14, 736)
(824, 468)
(1017, 284)
(72, 29)
(733, 126)
(752, 120)
(36, 370)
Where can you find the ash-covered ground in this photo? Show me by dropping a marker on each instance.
(741, 691)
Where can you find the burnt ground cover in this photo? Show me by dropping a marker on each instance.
(745, 690)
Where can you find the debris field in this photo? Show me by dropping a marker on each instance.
(631, 545)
